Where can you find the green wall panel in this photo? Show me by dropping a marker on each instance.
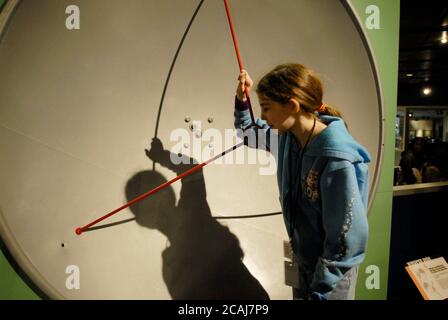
(11, 285)
(385, 46)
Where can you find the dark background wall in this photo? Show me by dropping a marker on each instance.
(419, 226)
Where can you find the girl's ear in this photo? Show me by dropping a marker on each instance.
(294, 105)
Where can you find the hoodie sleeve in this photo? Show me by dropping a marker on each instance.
(260, 136)
(344, 221)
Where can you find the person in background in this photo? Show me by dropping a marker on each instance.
(434, 169)
(412, 161)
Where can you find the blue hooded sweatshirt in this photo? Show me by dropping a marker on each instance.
(326, 214)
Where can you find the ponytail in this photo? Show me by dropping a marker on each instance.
(327, 110)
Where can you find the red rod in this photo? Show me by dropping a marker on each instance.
(238, 56)
(80, 230)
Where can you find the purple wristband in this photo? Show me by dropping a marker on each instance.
(241, 105)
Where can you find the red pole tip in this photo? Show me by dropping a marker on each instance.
(78, 231)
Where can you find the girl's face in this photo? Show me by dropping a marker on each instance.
(278, 116)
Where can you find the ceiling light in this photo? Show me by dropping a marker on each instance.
(409, 74)
(427, 91)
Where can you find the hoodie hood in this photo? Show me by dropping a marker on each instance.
(336, 142)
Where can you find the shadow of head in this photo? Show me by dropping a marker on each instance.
(157, 209)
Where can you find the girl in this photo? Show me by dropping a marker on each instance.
(322, 176)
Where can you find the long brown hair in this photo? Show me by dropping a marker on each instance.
(294, 80)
